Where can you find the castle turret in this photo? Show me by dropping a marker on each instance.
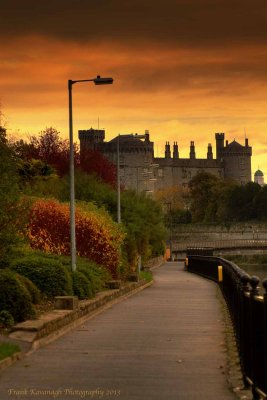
(259, 177)
(175, 150)
(192, 151)
(167, 150)
(219, 145)
(209, 153)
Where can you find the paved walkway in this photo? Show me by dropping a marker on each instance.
(165, 342)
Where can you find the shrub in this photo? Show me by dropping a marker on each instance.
(34, 292)
(96, 274)
(6, 319)
(14, 297)
(49, 275)
(98, 237)
(81, 285)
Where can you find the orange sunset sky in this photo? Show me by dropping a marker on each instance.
(183, 69)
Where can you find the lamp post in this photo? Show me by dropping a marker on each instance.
(97, 81)
(118, 183)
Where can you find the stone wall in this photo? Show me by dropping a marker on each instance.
(209, 232)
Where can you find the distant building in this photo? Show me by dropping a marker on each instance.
(140, 170)
(259, 177)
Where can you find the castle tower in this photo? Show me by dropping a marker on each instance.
(175, 150)
(219, 145)
(90, 139)
(167, 150)
(209, 153)
(237, 161)
(192, 150)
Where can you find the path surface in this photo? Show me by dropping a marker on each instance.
(165, 342)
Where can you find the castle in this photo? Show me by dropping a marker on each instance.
(142, 171)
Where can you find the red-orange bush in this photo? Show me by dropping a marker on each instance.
(97, 237)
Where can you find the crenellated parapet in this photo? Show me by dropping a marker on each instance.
(136, 153)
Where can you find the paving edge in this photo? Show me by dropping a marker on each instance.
(6, 362)
(36, 344)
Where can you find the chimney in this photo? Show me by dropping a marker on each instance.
(167, 150)
(175, 150)
(192, 151)
(246, 142)
(209, 153)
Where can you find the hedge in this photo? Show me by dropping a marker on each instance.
(14, 296)
(49, 275)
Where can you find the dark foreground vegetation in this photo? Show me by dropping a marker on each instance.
(34, 226)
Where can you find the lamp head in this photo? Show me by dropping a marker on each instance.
(103, 81)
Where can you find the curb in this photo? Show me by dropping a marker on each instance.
(6, 362)
(47, 333)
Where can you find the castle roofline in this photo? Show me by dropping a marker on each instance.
(127, 139)
(234, 145)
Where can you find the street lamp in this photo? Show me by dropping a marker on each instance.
(97, 81)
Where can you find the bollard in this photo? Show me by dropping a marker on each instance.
(220, 273)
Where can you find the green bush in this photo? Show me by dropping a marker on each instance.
(14, 297)
(81, 286)
(6, 319)
(48, 274)
(34, 292)
(96, 274)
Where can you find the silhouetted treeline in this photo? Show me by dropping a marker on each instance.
(212, 199)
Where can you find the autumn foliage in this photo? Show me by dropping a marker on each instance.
(93, 162)
(49, 148)
(97, 237)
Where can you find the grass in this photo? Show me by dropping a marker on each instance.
(7, 349)
(146, 275)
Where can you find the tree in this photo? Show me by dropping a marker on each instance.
(49, 148)
(93, 162)
(203, 193)
(242, 202)
(260, 204)
(144, 222)
(12, 209)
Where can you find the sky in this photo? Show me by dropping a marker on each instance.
(182, 69)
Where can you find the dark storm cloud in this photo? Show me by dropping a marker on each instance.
(173, 22)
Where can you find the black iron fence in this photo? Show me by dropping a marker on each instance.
(248, 312)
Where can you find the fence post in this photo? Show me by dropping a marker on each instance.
(186, 264)
(220, 273)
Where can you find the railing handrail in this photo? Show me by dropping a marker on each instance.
(248, 310)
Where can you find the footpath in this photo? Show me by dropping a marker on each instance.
(165, 342)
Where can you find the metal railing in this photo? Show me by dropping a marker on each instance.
(248, 312)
